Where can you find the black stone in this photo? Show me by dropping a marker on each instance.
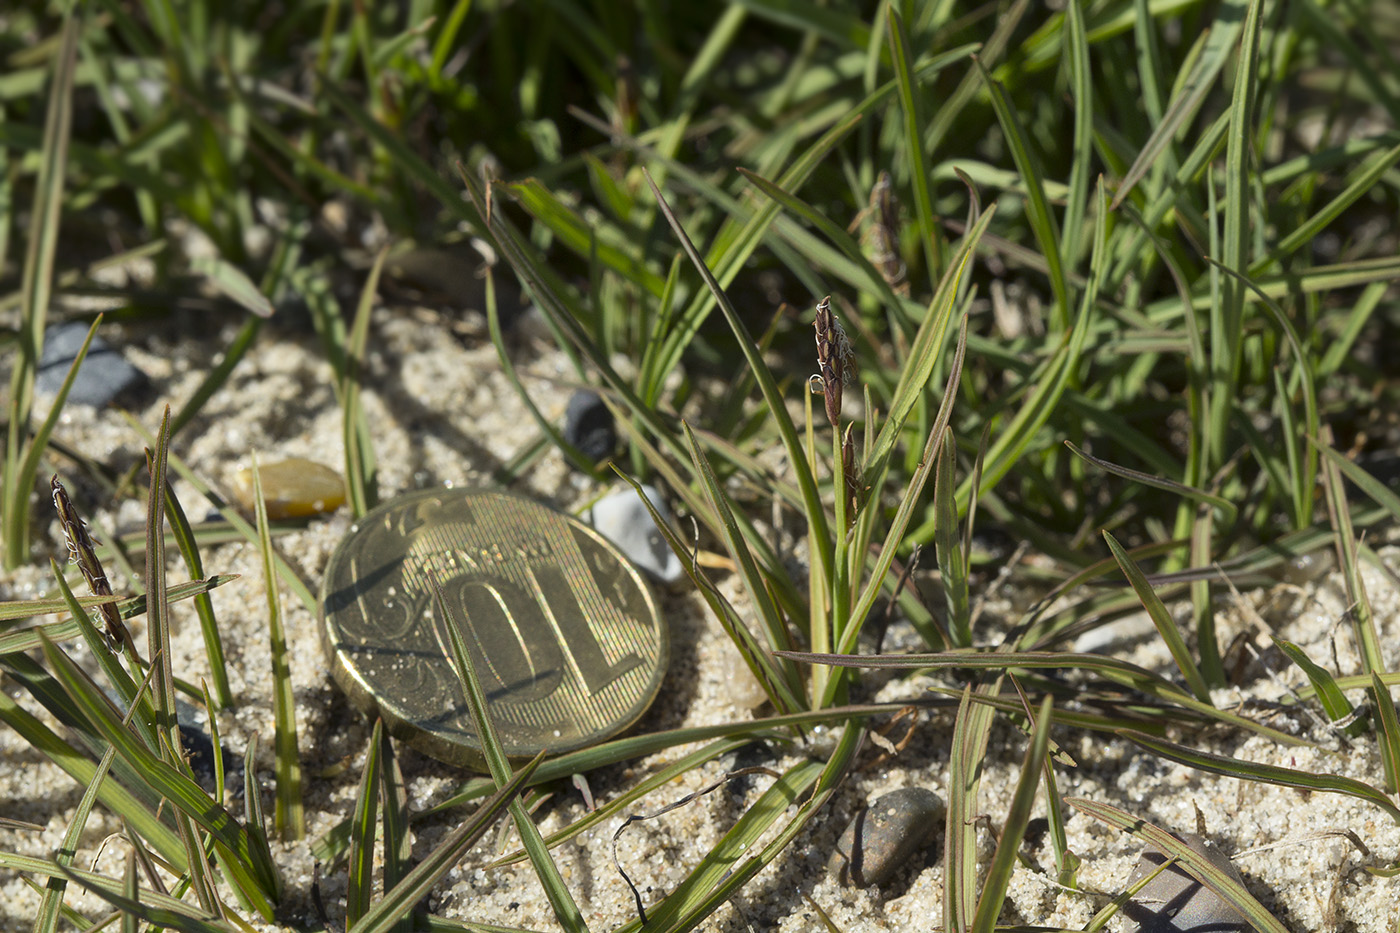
(588, 425)
(884, 837)
(1175, 902)
(200, 750)
(104, 376)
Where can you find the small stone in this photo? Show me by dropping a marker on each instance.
(588, 425)
(293, 488)
(1175, 902)
(104, 375)
(199, 750)
(884, 837)
(623, 519)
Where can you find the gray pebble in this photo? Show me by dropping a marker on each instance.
(884, 837)
(103, 376)
(588, 425)
(1175, 902)
(623, 519)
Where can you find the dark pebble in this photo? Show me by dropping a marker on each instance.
(1175, 902)
(884, 837)
(588, 425)
(200, 749)
(104, 376)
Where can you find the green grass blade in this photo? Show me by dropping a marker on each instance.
(1162, 619)
(287, 817)
(398, 842)
(1333, 701)
(768, 613)
(562, 902)
(971, 730)
(1227, 317)
(792, 443)
(36, 288)
(1013, 830)
(1229, 509)
(1042, 221)
(1187, 100)
(1269, 774)
(361, 486)
(909, 105)
(1113, 669)
(1198, 865)
(203, 605)
(1082, 92)
(1016, 437)
(925, 350)
(1387, 731)
(399, 901)
(160, 910)
(1363, 621)
(251, 866)
(360, 883)
(233, 283)
(948, 546)
(47, 917)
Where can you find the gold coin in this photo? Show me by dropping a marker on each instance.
(563, 632)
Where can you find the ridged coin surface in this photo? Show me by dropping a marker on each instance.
(562, 630)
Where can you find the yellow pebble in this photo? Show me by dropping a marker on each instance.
(293, 488)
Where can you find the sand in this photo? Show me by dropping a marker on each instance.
(442, 412)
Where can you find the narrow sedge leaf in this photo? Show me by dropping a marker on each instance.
(1042, 221)
(1388, 732)
(47, 917)
(1115, 670)
(233, 283)
(772, 397)
(927, 348)
(1359, 605)
(400, 900)
(1081, 82)
(36, 288)
(231, 515)
(288, 816)
(562, 902)
(159, 910)
(1161, 618)
(82, 769)
(398, 843)
(768, 612)
(971, 730)
(252, 866)
(28, 639)
(1268, 774)
(1220, 42)
(947, 546)
(203, 606)
(914, 149)
(895, 537)
(1228, 314)
(360, 471)
(29, 468)
(1158, 482)
(360, 881)
(1053, 378)
(1013, 829)
(1193, 862)
(1333, 701)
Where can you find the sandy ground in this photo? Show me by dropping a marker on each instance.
(442, 412)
